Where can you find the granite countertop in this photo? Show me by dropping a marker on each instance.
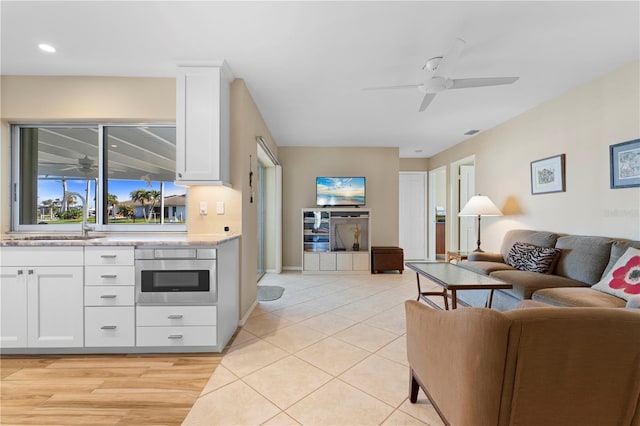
(113, 239)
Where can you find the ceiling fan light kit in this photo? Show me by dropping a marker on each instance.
(438, 77)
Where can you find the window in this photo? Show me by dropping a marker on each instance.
(125, 172)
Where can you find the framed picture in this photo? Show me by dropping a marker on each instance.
(625, 164)
(547, 175)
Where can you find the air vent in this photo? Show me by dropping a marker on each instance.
(472, 132)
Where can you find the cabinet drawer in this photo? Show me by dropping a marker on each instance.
(109, 275)
(109, 295)
(176, 336)
(108, 256)
(175, 315)
(109, 326)
(41, 256)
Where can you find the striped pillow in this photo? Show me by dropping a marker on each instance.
(527, 257)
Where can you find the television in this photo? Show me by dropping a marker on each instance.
(340, 191)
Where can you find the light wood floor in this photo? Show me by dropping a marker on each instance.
(102, 389)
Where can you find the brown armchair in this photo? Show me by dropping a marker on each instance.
(538, 366)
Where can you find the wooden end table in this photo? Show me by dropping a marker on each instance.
(457, 255)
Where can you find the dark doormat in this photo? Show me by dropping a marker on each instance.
(269, 292)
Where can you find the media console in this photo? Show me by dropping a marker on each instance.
(336, 240)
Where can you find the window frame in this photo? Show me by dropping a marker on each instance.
(15, 188)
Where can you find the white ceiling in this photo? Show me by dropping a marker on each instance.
(306, 63)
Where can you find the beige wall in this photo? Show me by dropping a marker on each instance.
(582, 124)
(301, 166)
(113, 99)
(414, 164)
(246, 125)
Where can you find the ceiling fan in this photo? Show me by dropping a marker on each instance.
(83, 165)
(437, 77)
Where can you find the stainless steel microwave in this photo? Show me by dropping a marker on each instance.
(176, 276)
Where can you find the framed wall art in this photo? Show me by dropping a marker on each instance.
(625, 164)
(547, 175)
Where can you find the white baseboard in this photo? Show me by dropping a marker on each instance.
(246, 316)
(292, 268)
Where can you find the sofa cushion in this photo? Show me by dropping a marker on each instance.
(484, 267)
(585, 297)
(536, 238)
(525, 282)
(527, 257)
(583, 258)
(617, 249)
(623, 280)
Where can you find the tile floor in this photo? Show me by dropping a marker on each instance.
(330, 351)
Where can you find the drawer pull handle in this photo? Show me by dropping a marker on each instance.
(109, 276)
(108, 256)
(175, 336)
(108, 327)
(176, 316)
(108, 296)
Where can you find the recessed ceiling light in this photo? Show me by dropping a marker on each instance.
(47, 48)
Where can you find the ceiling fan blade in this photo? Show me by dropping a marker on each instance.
(428, 97)
(448, 60)
(463, 83)
(404, 86)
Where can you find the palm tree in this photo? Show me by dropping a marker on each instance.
(154, 197)
(141, 196)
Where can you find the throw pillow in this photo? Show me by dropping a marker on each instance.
(527, 257)
(623, 280)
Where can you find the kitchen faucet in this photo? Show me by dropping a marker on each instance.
(85, 228)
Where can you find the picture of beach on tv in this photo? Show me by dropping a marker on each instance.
(340, 191)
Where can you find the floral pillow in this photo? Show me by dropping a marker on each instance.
(623, 279)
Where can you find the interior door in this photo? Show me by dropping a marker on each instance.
(412, 233)
(467, 223)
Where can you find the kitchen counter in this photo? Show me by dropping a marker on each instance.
(114, 239)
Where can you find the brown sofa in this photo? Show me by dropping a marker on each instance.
(549, 366)
(583, 261)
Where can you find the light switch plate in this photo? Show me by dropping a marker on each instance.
(220, 207)
(203, 207)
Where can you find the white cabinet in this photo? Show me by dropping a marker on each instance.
(109, 295)
(42, 305)
(336, 240)
(203, 104)
(176, 325)
(13, 307)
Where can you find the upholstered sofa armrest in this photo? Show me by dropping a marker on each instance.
(486, 257)
(453, 355)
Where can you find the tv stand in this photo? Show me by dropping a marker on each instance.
(336, 240)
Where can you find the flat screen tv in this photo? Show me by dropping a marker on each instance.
(340, 191)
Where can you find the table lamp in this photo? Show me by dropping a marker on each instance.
(480, 205)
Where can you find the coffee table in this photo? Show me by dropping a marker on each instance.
(452, 278)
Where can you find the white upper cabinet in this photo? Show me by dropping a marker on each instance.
(203, 103)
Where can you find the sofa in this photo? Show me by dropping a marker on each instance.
(549, 366)
(582, 262)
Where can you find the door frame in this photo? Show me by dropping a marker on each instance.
(453, 229)
(431, 206)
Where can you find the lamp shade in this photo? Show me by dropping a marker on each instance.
(480, 205)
